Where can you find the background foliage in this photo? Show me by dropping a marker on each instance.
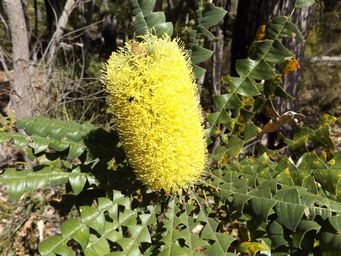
(255, 199)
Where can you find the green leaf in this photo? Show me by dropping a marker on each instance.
(226, 101)
(5, 137)
(164, 28)
(242, 86)
(169, 236)
(270, 51)
(322, 136)
(276, 234)
(212, 16)
(56, 129)
(140, 25)
(97, 246)
(330, 239)
(81, 235)
(254, 69)
(91, 219)
(280, 27)
(147, 6)
(18, 182)
(304, 3)
(198, 71)
(204, 31)
(290, 210)
(20, 141)
(39, 144)
(140, 234)
(251, 131)
(155, 18)
(147, 21)
(77, 182)
(263, 204)
(234, 146)
(209, 232)
(304, 235)
(59, 145)
(46, 245)
(200, 54)
(75, 150)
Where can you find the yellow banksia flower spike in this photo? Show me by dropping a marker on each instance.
(155, 105)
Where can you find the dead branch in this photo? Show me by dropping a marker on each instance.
(324, 59)
(55, 40)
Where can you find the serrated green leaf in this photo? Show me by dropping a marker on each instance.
(209, 232)
(127, 218)
(242, 86)
(77, 182)
(300, 237)
(205, 32)
(251, 131)
(79, 230)
(140, 233)
(81, 235)
(46, 245)
(289, 209)
(263, 204)
(147, 6)
(164, 28)
(75, 150)
(224, 241)
(97, 246)
(135, 7)
(5, 137)
(276, 234)
(140, 25)
(155, 18)
(111, 231)
(18, 182)
(271, 51)
(200, 54)
(280, 27)
(234, 146)
(254, 69)
(226, 101)
(167, 236)
(93, 217)
(20, 141)
(198, 71)
(129, 246)
(39, 144)
(212, 16)
(330, 243)
(58, 145)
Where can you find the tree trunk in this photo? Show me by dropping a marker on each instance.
(252, 14)
(302, 18)
(22, 97)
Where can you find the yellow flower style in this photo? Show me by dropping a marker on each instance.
(155, 104)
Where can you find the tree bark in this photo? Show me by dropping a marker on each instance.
(302, 18)
(22, 97)
(252, 14)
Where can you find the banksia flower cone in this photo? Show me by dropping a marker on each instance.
(154, 101)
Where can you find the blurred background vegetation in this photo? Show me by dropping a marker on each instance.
(75, 92)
